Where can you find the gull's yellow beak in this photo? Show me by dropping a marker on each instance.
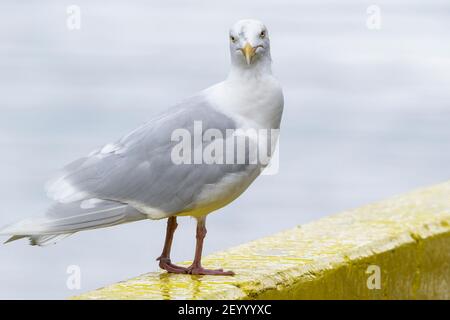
(249, 52)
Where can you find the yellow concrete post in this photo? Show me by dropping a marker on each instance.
(394, 249)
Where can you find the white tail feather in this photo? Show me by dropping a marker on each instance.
(62, 220)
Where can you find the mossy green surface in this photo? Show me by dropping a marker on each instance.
(407, 237)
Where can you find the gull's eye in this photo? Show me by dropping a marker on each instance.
(262, 34)
(233, 38)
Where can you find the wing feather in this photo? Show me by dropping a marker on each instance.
(138, 169)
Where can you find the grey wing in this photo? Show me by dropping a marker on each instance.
(138, 169)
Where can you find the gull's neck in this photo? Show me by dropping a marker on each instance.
(247, 73)
(250, 95)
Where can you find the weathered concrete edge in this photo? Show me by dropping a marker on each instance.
(423, 242)
(348, 279)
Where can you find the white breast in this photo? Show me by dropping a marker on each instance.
(252, 103)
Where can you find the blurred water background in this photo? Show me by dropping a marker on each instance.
(367, 115)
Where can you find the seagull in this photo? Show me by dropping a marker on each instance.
(149, 173)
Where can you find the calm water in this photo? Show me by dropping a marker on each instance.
(367, 115)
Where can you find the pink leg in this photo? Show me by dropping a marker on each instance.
(164, 259)
(196, 267)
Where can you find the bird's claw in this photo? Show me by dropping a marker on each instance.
(166, 264)
(202, 271)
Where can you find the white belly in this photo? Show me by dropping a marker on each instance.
(215, 196)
